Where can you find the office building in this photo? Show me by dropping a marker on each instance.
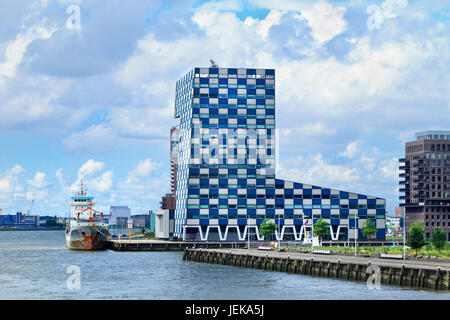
(168, 202)
(141, 220)
(174, 141)
(425, 181)
(119, 215)
(152, 220)
(226, 185)
(164, 218)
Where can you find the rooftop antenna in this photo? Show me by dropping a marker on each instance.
(213, 63)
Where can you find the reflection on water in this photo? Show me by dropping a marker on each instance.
(34, 265)
(14, 248)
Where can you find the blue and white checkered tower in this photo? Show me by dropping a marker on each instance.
(226, 183)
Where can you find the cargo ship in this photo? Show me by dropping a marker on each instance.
(86, 228)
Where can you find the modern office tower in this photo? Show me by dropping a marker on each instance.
(164, 218)
(226, 185)
(174, 141)
(426, 184)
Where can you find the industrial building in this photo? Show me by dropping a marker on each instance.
(141, 220)
(19, 220)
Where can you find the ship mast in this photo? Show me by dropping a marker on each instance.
(82, 193)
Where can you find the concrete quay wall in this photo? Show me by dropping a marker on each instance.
(391, 273)
(158, 245)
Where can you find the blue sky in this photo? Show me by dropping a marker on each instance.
(355, 81)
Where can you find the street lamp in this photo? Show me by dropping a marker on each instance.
(356, 234)
(248, 235)
(404, 234)
(279, 238)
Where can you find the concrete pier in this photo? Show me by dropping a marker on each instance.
(408, 273)
(160, 245)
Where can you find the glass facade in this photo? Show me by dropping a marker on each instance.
(226, 184)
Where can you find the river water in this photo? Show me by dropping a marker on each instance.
(37, 265)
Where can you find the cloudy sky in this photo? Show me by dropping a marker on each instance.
(91, 96)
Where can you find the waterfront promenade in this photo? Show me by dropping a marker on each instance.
(412, 272)
(430, 264)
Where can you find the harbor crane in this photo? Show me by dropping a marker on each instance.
(31, 207)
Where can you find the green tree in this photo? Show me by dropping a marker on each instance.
(267, 228)
(415, 239)
(438, 238)
(321, 228)
(368, 230)
(50, 223)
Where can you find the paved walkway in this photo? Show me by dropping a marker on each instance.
(424, 264)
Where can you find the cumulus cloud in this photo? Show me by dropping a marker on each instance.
(36, 194)
(16, 170)
(352, 150)
(144, 183)
(10, 186)
(96, 138)
(103, 183)
(336, 80)
(368, 162)
(389, 169)
(38, 181)
(90, 167)
(16, 49)
(325, 20)
(392, 8)
(315, 170)
(145, 167)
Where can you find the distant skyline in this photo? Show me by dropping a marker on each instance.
(91, 97)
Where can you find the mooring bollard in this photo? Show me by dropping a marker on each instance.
(401, 274)
(338, 267)
(438, 273)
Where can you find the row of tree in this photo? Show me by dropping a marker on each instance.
(321, 228)
(415, 241)
(416, 237)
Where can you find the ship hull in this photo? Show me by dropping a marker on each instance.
(87, 237)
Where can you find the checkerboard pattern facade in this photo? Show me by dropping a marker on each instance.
(226, 185)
